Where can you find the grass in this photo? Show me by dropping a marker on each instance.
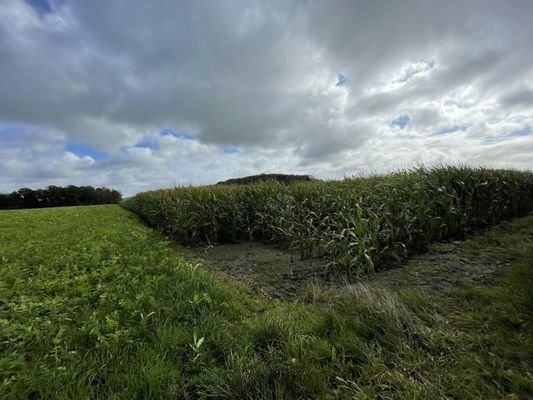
(498, 318)
(95, 305)
(486, 327)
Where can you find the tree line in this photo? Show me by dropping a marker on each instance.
(55, 196)
(281, 178)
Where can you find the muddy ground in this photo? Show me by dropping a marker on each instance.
(275, 273)
(269, 270)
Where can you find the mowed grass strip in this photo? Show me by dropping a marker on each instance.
(95, 305)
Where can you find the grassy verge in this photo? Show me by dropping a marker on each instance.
(95, 305)
(495, 321)
(478, 328)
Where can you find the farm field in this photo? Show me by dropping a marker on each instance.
(266, 200)
(93, 304)
(355, 225)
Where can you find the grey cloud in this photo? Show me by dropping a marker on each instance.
(521, 97)
(260, 76)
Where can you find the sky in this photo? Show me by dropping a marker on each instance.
(138, 95)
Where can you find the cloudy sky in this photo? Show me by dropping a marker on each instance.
(137, 95)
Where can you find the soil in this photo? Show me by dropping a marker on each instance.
(270, 271)
(445, 266)
(275, 273)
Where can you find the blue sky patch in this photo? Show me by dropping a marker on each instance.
(230, 150)
(178, 135)
(147, 143)
(82, 150)
(12, 130)
(449, 130)
(521, 132)
(526, 131)
(41, 6)
(492, 140)
(341, 80)
(401, 121)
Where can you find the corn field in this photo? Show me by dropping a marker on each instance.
(355, 224)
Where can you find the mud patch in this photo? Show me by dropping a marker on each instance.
(445, 266)
(270, 271)
(275, 273)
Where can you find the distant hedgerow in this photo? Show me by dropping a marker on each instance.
(355, 223)
(55, 196)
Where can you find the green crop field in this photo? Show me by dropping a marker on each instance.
(355, 224)
(96, 305)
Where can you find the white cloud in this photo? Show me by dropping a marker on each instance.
(260, 77)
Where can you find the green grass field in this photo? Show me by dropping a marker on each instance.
(95, 305)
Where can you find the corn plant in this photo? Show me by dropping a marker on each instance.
(354, 223)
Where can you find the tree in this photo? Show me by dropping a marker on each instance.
(55, 196)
